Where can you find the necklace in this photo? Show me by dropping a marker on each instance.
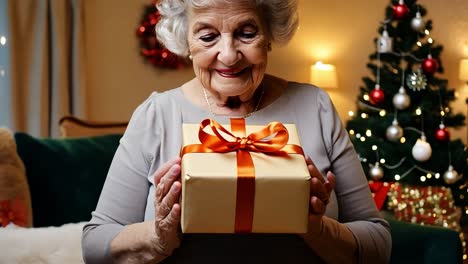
(244, 116)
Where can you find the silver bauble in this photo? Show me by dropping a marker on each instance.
(422, 150)
(394, 132)
(451, 176)
(376, 172)
(417, 23)
(401, 100)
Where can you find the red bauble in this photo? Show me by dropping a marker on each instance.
(430, 65)
(400, 10)
(442, 134)
(376, 96)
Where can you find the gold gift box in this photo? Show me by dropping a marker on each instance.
(209, 185)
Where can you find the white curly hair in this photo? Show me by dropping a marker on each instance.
(281, 17)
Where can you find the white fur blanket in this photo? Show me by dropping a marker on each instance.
(51, 245)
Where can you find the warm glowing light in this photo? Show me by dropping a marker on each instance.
(382, 161)
(426, 32)
(3, 40)
(351, 132)
(358, 135)
(456, 94)
(418, 111)
(397, 177)
(430, 40)
(351, 113)
(402, 140)
(447, 110)
(423, 178)
(368, 133)
(419, 43)
(323, 75)
(364, 115)
(429, 175)
(383, 113)
(374, 147)
(366, 97)
(363, 139)
(442, 113)
(437, 175)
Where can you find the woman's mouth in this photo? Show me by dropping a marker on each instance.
(231, 73)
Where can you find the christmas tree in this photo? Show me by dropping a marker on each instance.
(403, 111)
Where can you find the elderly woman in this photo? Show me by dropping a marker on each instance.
(138, 215)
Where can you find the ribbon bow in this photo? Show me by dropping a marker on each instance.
(272, 139)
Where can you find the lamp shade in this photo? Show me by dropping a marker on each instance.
(323, 75)
(463, 74)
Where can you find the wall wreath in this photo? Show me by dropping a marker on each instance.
(152, 51)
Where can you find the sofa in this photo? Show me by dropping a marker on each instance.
(65, 176)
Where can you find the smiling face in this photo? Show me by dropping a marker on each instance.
(229, 47)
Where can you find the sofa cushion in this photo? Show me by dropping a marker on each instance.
(65, 176)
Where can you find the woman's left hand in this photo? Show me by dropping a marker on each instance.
(320, 191)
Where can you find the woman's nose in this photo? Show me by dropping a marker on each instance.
(228, 52)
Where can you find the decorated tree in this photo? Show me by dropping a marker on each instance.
(400, 129)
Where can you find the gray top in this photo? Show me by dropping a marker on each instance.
(153, 137)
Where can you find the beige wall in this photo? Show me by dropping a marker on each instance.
(335, 31)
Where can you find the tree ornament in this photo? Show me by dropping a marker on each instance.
(416, 81)
(430, 65)
(417, 23)
(401, 100)
(376, 172)
(442, 134)
(394, 132)
(400, 10)
(422, 150)
(376, 96)
(451, 176)
(384, 43)
(150, 48)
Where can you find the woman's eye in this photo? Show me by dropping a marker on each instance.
(208, 37)
(247, 34)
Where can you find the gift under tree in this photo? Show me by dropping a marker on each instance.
(401, 127)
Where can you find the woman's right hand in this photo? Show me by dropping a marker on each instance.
(166, 203)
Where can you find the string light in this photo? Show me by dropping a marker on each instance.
(437, 175)
(383, 113)
(351, 132)
(364, 115)
(3, 40)
(426, 32)
(382, 161)
(363, 139)
(430, 40)
(366, 97)
(419, 43)
(351, 113)
(397, 177)
(422, 178)
(368, 133)
(374, 147)
(402, 140)
(418, 111)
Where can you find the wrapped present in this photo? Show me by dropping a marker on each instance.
(233, 183)
(425, 205)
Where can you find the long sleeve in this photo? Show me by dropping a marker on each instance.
(124, 195)
(357, 209)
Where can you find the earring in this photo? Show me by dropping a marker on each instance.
(190, 57)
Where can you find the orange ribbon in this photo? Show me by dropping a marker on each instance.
(272, 139)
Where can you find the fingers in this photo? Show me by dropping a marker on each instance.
(164, 169)
(169, 201)
(317, 206)
(314, 172)
(331, 182)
